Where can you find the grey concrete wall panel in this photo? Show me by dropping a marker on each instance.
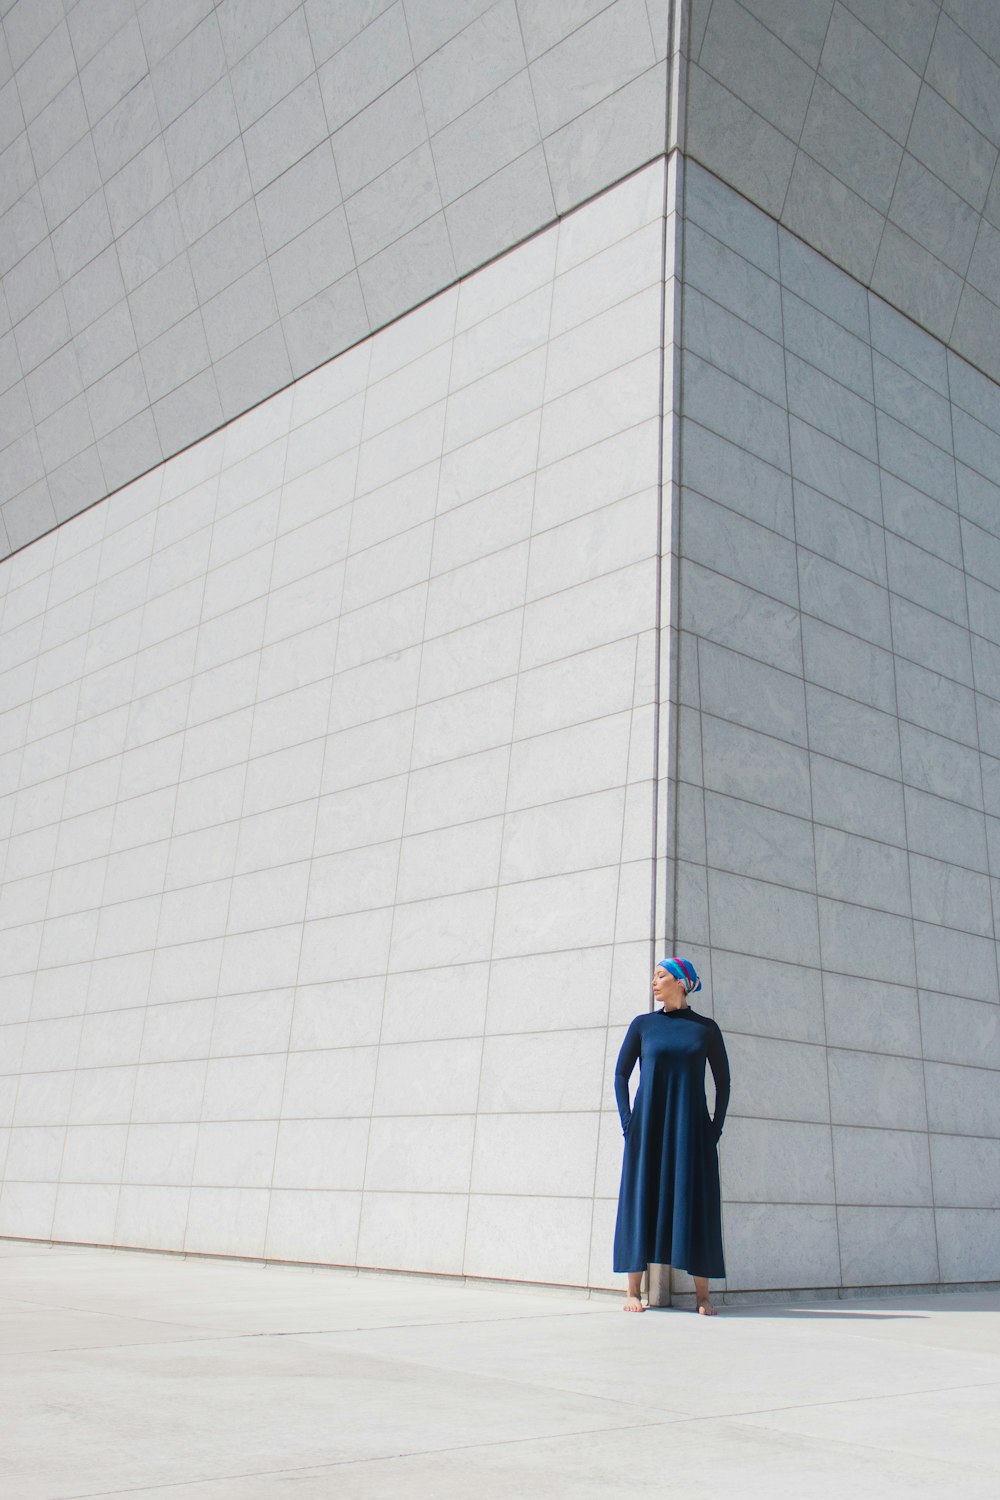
(200, 202)
(837, 766)
(872, 130)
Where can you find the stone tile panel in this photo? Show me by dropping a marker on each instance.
(151, 130)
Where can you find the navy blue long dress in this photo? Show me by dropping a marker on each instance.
(669, 1209)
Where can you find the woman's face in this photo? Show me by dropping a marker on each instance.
(667, 990)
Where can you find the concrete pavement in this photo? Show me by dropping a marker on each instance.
(151, 1376)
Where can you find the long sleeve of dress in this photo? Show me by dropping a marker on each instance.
(718, 1061)
(627, 1058)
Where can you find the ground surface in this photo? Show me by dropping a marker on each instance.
(139, 1375)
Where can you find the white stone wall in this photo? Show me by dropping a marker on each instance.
(838, 808)
(202, 201)
(327, 756)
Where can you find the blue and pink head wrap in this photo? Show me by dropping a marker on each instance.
(684, 970)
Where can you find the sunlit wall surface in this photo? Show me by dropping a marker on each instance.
(329, 759)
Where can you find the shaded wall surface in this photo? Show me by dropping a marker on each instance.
(201, 201)
(871, 129)
(328, 759)
(837, 830)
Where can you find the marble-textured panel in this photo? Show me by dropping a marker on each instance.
(768, 998)
(529, 1238)
(957, 1030)
(777, 1161)
(881, 1166)
(961, 1100)
(887, 1245)
(782, 1245)
(965, 1172)
(967, 1244)
(887, 1016)
(802, 1070)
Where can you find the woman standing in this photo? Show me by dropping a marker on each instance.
(669, 1210)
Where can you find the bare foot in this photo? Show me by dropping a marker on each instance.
(633, 1304)
(705, 1307)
